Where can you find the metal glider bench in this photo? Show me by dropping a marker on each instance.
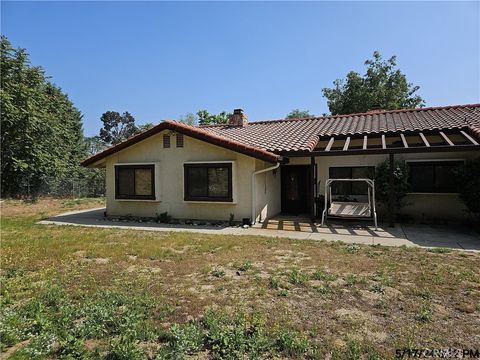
(349, 209)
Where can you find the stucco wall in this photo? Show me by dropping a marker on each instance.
(420, 206)
(169, 180)
(267, 192)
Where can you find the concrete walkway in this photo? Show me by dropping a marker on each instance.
(455, 236)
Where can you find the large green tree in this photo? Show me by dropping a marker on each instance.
(41, 130)
(117, 127)
(299, 114)
(205, 118)
(383, 86)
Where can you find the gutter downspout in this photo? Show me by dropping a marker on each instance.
(277, 165)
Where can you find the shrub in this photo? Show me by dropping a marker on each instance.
(400, 183)
(163, 217)
(467, 177)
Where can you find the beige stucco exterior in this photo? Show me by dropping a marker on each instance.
(169, 182)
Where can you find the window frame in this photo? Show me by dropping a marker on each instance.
(350, 185)
(431, 162)
(134, 167)
(186, 181)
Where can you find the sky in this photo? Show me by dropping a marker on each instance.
(161, 60)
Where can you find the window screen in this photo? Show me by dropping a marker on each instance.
(134, 182)
(208, 182)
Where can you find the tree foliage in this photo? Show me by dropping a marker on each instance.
(299, 114)
(189, 119)
(205, 118)
(117, 127)
(383, 86)
(41, 130)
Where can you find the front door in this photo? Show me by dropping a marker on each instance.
(296, 189)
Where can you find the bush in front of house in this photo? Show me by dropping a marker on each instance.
(400, 184)
(467, 178)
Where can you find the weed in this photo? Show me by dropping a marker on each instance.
(218, 272)
(377, 288)
(350, 280)
(425, 294)
(352, 248)
(247, 265)
(292, 343)
(296, 277)
(424, 313)
(273, 283)
(324, 290)
(322, 275)
(283, 292)
(231, 219)
(440, 250)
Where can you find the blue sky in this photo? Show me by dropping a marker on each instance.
(159, 60)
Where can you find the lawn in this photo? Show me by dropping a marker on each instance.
(72, 292)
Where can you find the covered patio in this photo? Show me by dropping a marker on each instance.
(382, 143)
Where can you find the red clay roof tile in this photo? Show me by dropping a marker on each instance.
(262, 139)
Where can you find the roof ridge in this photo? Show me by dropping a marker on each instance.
(375, 112)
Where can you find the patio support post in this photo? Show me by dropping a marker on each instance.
(391, 200)
(312, 186)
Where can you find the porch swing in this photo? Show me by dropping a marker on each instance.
(350, 209)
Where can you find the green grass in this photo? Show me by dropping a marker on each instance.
(72, 292)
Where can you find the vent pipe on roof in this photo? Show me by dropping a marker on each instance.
(238, 118)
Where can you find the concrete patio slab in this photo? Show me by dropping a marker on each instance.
(454, 237)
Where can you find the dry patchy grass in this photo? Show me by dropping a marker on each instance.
(338, 300)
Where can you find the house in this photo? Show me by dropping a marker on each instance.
(257, 170)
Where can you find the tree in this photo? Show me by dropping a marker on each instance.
(116, 127)
(382, 87)
(299, 114)
(205, 118)
(189, 119)
(41, 130)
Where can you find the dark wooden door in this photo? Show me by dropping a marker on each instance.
(296, 189)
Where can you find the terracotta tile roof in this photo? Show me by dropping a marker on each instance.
(263, 139)
(303, 134)
(191, 131)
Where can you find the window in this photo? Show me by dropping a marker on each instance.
(179, 140)
(351, 188)
(208, 182)
(134, 182)
(166, 141)
(433, 176)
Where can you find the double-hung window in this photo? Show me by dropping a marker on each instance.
(433, 176)
(135, 182)
(208, 182)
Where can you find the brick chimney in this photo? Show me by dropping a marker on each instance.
(238, 118)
